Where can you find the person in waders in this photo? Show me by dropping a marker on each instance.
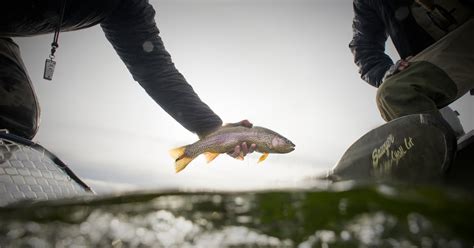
(435, 40)
(130, 27)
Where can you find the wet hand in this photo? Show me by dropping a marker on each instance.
(244, 123)
(401, 65)
(240, 151)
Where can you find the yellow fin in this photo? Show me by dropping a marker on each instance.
(210, 156)
(181, 159)
(241, 156)
(263, 157)
(181, 163)
(177, 152)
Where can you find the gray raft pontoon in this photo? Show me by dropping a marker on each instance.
(29, 172)
(415, 148)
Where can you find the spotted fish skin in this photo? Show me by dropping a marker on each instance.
(226, 139)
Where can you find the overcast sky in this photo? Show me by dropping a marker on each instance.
(282, 64)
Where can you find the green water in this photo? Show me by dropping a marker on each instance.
(362, 216)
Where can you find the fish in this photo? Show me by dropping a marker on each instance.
(224, 140)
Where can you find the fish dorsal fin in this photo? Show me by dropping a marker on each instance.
(263, 157)
(210, 156)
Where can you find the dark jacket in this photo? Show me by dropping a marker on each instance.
(130, 27)
(374, 21)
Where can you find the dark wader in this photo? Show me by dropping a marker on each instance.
(19, 108)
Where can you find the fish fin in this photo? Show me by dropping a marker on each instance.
(181, 159)
(182, 162)
(210, 156)
(178, 152)
(263, 157)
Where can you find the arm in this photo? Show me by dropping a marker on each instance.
(132, 31)
(368, 44)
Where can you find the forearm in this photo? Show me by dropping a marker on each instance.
(372, 64)
(178, 99)
(132, 31)
(368, 43)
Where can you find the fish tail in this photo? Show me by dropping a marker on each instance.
(181, 163)
(177, 152)
(181, 160)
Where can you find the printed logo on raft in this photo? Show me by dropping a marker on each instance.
(384, 157)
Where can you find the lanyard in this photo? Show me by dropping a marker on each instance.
(50, 64)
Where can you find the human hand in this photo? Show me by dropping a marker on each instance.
(399, 66)
(240, 151)
(403, 63)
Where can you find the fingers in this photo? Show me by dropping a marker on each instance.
(399, 66)
(246, 123)
(402, 67)
(245, 149)
(403, 64)
(252, 148)
(242, 150)
(236, 152)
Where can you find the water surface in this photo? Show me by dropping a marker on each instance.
(342, 216)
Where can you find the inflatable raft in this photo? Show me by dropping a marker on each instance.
(30, 172)
(415, 149)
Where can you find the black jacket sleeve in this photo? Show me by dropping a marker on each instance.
(368, 43)
(132, 31)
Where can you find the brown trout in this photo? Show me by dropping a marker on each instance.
(226, 139)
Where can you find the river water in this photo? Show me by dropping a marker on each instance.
(342, 216)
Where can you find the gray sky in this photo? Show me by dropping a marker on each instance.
(283, 64)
